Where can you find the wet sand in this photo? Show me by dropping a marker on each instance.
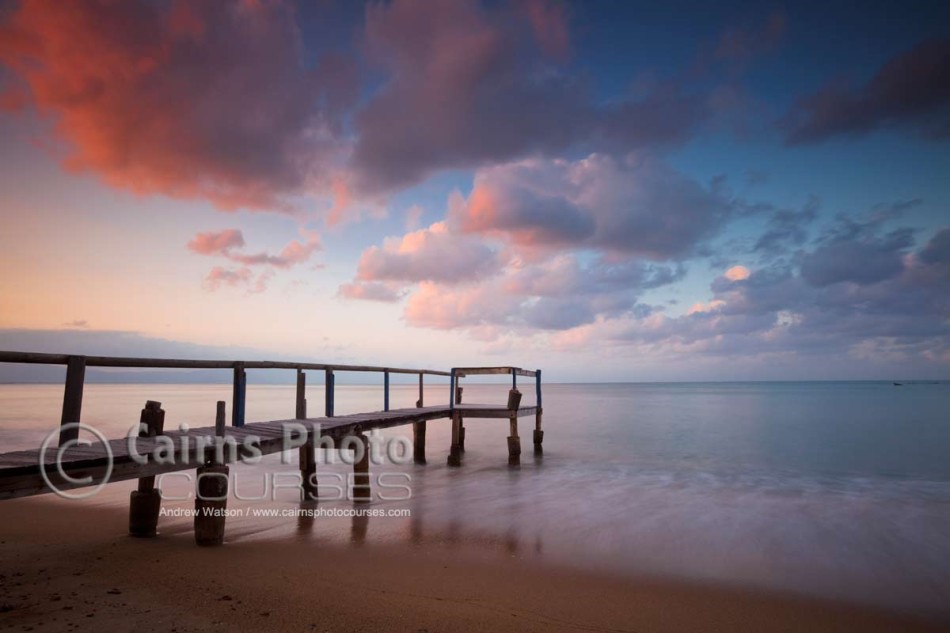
(69, 567)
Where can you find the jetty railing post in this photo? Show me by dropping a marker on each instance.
(239, 395)
(145, 503)
(538, 433)
(452, 389)
(220, 418)
(386, 390)
(419, 431)
(458, 400)
(514, 379)
(72, 398)
(301, 409)
(329, 384)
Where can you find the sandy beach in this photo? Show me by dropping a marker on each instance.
(70, 566)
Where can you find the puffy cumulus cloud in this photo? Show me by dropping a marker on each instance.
(203, 100)
(634, 205)
(556, 294)
(910, 91)
(430, 254)
(478, 92)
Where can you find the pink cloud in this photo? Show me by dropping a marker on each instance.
(223, 243)
(216, 243)
(635, 205)
(205, 100)
(431, 254)
(371, 291)
(737, 273)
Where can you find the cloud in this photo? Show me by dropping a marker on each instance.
(223, 244)
(216, 243)
(79, 323)
(911, 91)
(737, 273)
(549, 23)
(244, 278)
(430, 254)
(371, 291)
(206, 100)
(465, 88)
(787, 228)
(635, 205)
(853, 252)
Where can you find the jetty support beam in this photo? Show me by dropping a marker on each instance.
(419, 432)
(362, 490)
(455, 451)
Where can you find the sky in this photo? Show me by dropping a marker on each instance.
(609, 191)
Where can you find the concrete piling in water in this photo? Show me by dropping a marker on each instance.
(145, 503)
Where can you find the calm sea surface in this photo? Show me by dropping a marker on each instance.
(835, 489)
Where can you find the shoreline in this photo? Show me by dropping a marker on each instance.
(69, 566)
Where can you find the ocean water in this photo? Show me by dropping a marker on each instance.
(838, 490)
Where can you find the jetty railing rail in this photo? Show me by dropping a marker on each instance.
(76, 375)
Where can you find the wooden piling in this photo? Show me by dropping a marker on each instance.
(308, 470)
(145, 503)
(386, 390)
(301, 408)
(211, 503)
(419, 431)
(220, 418)
(538, 433)
(455, 452)
(362, 491)
(514, 441)
(72, 398)
(458, 400)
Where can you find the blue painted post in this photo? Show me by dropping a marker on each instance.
(537, 386)
(329, 386)
(452, 390)
(386, 390)
(239, 395)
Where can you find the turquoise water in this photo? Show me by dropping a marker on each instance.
(840, 490)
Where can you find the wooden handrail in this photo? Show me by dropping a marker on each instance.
(181, 363)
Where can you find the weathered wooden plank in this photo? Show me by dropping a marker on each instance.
(461, 372)
(20, 470)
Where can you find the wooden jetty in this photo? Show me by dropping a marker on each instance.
(208, 450)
